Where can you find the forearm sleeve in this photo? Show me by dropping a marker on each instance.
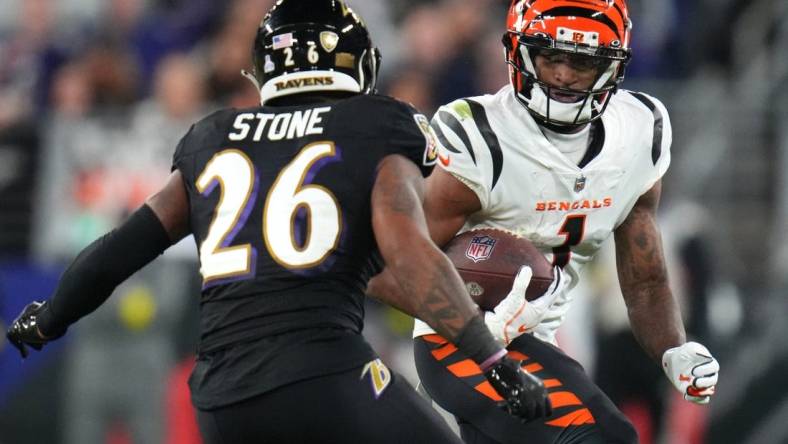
(101, 267)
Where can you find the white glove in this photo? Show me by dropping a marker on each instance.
(692, 370)
(514, 315)
(554, 318)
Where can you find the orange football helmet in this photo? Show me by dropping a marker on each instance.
(594, 33)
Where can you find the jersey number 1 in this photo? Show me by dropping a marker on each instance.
(235, 174)
(573, 230)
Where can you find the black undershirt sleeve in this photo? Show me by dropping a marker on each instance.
(101, 267)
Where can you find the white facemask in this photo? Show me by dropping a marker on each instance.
(569, 113)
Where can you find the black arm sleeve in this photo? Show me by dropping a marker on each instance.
(476, 341)
(101, 267)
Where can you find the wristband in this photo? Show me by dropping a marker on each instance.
(492, 360)
(476, 341)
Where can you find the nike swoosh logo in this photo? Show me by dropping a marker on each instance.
(444, 160)
(684, 378)
(698, 393)
(521, 329)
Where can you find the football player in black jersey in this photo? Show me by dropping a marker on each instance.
(290, 203)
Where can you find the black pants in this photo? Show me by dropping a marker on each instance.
(582, 414)
(347, 407)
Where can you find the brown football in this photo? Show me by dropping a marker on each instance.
(489, 259)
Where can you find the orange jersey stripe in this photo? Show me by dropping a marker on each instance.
(578, 417)
(434, 339)
(585, 417)
(562, 399)
(441, 353)
(487, 390)
(533, 368)
(550, 383)
(465, 368)
(517, 356)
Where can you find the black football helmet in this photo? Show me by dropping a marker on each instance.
(313, 45)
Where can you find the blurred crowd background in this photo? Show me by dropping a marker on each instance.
(95, 94)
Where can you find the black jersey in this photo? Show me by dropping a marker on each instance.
(280, 209)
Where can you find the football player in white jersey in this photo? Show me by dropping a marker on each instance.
(562, 157)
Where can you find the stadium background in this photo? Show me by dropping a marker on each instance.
(94, 95)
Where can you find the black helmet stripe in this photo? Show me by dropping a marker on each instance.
(585, 13)
(621, 13)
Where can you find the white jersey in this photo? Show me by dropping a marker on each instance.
(526, 185)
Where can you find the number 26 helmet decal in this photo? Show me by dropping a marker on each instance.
(587, 34)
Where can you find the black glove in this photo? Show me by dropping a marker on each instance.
(24, 330)
(524, 394)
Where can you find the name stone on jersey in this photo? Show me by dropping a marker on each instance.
(480, 248)
(278, 126)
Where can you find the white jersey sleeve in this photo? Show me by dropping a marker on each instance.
(660, 137)
(464, 147)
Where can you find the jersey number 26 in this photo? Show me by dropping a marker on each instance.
(235, 174)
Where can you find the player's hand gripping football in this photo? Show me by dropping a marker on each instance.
(24, 331)
(515, 315)
(524, 395)
(692, 370)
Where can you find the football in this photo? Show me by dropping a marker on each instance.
(488, 261)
